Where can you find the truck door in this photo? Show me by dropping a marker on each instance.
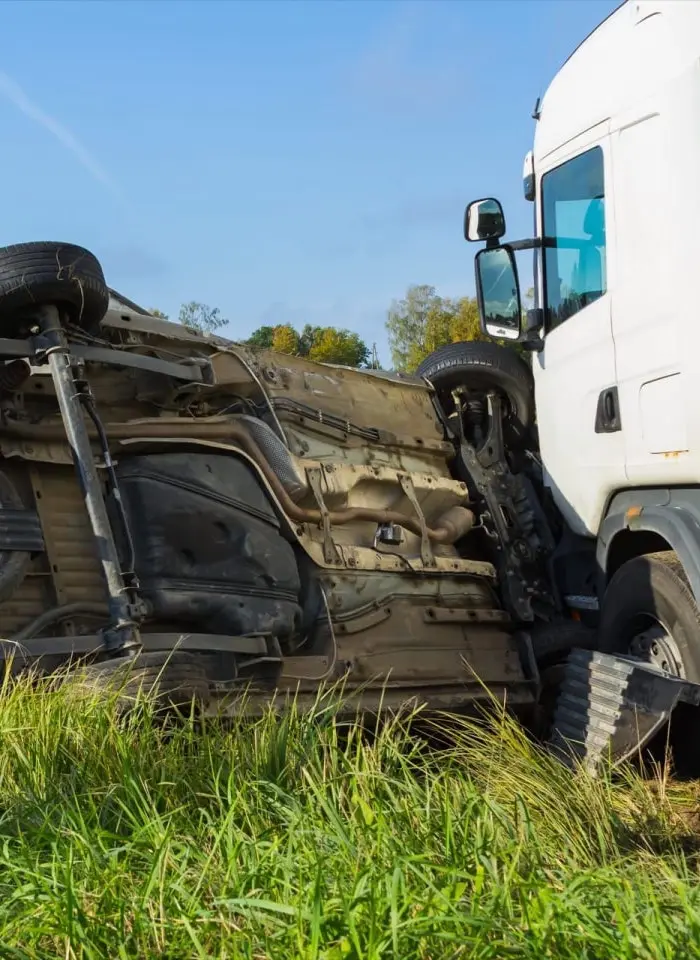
(575, 383)
(655, 155)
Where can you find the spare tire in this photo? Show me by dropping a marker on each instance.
(482, 367)
(47, 272)
(172, 679)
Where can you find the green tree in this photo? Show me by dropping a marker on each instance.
(331, 345)
(201, 317)
(308, 336)
(406, 325)
(447, 321)
(322, 344)
(155, 312)
(423, 321)
(465, 322)
(261, 338)
(285, 339)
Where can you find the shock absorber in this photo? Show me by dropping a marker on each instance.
(123, 630)
(474, 413)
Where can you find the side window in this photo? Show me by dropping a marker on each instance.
(573, 213)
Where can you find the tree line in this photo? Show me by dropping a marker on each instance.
(416, 325)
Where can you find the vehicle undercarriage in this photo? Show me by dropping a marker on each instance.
(260, 521)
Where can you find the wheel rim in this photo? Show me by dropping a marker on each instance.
(654, 643)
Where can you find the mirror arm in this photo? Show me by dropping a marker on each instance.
(532, 340)
(533, 244)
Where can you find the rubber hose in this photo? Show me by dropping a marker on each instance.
(55, 615)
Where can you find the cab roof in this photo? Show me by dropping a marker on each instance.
(632, 54)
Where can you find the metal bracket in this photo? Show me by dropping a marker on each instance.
(452, 615)
(192, 369)
(426, 550)
(506, 518)
(257, 645)
(330, 551)
(389, 534)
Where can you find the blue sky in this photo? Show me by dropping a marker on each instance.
(284, 161)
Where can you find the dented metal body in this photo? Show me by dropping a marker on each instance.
(303, 517)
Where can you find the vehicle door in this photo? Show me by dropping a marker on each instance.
(577, 405)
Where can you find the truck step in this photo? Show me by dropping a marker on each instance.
(609, 707)
(581, 602)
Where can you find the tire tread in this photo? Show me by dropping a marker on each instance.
(43, 272)
(457, 362)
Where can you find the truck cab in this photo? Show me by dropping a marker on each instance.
(613, 338)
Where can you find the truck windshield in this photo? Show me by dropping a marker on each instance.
(573, 208)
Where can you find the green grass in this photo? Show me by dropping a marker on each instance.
(292, 838)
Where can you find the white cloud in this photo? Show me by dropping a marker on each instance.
(12, 92)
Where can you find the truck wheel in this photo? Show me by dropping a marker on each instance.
(482, 367)
(50, 273)
(649, 611)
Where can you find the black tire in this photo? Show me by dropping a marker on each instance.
(484, 366)
(655, 587)
(50, 273)
(651, 588)
(173, 679)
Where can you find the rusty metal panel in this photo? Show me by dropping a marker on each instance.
(31, 598)
(69, 543)
(365, 400)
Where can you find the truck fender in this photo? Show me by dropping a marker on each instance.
(672, 515)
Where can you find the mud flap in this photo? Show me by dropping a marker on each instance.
(609, 707)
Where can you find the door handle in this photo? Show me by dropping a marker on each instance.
(607, 415)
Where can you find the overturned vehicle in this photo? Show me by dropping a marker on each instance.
(229, 519)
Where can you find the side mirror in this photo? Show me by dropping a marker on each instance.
(484, 220)
(498, 293)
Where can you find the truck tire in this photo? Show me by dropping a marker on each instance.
(50, 273)
(653, 589)
(482, 367)
(649, 604)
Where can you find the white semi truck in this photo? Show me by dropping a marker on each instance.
(614, 336)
